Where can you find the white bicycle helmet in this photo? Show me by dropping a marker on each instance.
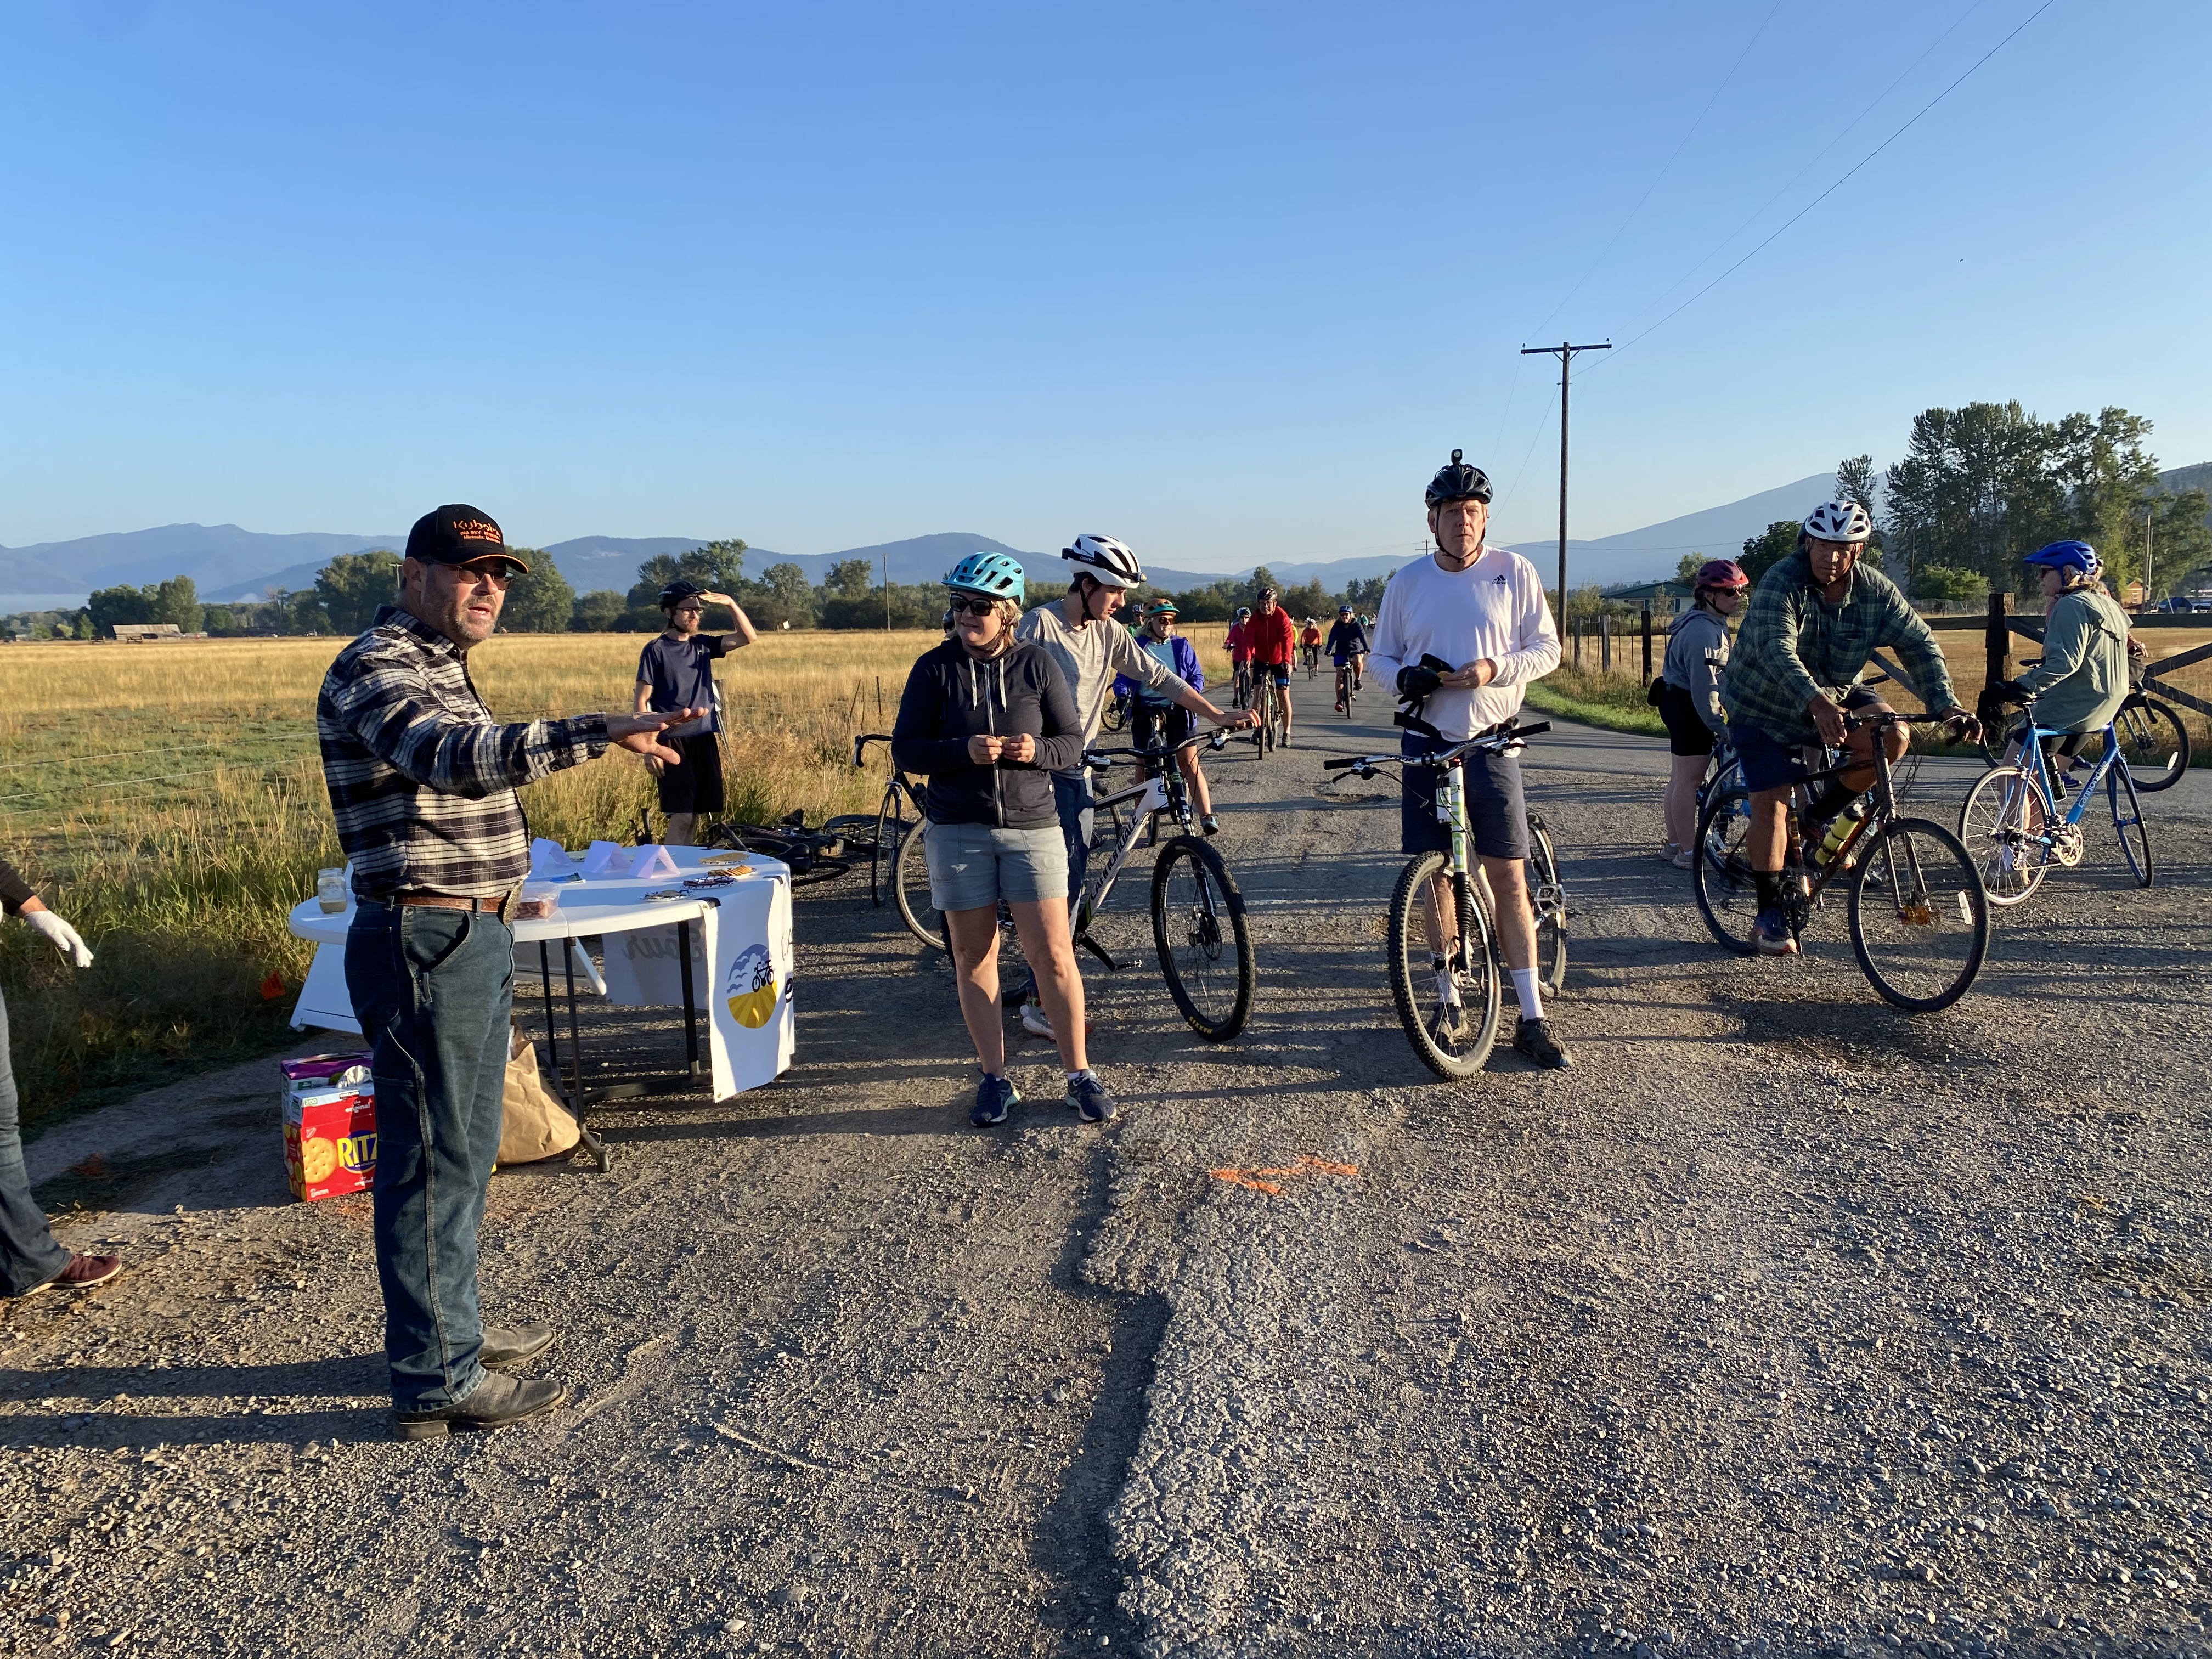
(1839, 521)
(1107, 559)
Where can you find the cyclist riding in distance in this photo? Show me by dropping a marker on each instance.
(2083, 678)
(1079, 632)
(1690, 696)
(1348, 644)
(676, 671)
(1309, 640)
(1815, 621)
(1271, 638)
(1236, 643)
(1153, 720)
(1480, 609)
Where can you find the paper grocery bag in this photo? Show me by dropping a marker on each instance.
(535, 1124)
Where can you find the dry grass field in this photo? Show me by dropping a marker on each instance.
(166, 798)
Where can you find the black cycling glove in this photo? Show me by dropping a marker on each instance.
(1417, 683)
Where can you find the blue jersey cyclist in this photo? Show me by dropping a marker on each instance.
(1814, 622)
(1348, 645)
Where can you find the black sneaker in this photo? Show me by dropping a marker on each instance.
(1088, 1096)
(992, 1096)
(1533, 1040)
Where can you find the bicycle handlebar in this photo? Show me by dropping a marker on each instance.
(1495, 742)
(860, 744)
(1101, 758)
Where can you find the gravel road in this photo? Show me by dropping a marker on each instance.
(1782, 1323)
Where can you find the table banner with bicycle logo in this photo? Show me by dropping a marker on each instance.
(740, 978)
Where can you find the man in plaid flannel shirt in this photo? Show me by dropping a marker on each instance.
(1814, 622)
(421, 781)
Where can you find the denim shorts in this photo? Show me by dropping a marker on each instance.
(1770, 763)
(1497, 809)
(972, 866)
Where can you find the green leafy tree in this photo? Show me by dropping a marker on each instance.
(1686, 567)
(178, 600)
(1762, 552)
(601, 611)
(1945, 583)
(304, 613)
(541, 602)
(781, 598)
(2183, 541)
(1202, 605)
(123, 604)
(80, 627)
(1365, 593)
(1309, 599)
(1855, 482)
(1263, 577)
(351, 587)
(719, 566)
(218, 622)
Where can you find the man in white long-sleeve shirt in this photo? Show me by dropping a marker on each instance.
(1480, 609)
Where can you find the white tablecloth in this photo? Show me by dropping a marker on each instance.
(740, 946)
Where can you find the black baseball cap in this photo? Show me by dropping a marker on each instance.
(458, 534)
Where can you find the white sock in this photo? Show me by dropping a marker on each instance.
(1524, 987)
(1074, 1078)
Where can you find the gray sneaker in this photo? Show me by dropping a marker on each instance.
(1089, 1097)
(497, 1401)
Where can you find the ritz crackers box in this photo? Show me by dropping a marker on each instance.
(329, 1126)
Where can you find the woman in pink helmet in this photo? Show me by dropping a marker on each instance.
(1690, 696)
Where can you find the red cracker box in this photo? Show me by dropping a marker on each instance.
(330, 1140)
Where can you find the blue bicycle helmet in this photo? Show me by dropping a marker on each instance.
(2078, 557)
(994, 576)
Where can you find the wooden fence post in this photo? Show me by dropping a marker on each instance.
(1605, 643)
(1647, 641)
(1998, 667)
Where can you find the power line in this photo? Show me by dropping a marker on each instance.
(1621, 229)
(1566, 354)
(1840, 182)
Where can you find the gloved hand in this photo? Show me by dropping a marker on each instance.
(62, 937)
(1416, 683)
(2008, 691)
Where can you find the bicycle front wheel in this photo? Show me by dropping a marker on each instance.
(2153, 743)
(1205, 946)
(1727, 895)
(2006, 825)
(1919, 915)
(1450, 1014)
(1547, 898)
(910, 885)
(2128, 821)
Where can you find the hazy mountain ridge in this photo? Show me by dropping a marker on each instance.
(229, 562)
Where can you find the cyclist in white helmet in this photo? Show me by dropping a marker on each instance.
(1080, 633)
(1814, 622)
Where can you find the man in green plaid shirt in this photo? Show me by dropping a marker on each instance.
(1814, 622)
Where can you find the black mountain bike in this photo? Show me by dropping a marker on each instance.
(898, 868)
(1917, 912)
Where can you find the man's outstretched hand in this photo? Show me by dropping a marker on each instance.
(640, 733)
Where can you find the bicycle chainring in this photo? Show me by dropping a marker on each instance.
(2066, 844)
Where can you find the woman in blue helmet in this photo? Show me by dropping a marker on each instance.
(2083, 677)
(989, 719)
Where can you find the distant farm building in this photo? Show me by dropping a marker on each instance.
(145, 632)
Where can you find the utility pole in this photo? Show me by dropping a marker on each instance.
(887, 592)
(2148, 518)
(1566, 354)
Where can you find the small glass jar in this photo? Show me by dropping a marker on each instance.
(331, 891)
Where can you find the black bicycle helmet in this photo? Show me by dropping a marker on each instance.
(676, 592)
(1459, 481)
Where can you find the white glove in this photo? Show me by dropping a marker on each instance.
(62, 937)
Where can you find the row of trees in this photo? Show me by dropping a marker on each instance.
(1982, 486)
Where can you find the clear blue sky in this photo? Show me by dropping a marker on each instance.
(1227, 282)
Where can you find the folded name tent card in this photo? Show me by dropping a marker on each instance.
(550, 861)
(613, 860)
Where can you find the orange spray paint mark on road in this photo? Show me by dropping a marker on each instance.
(1271, 1181)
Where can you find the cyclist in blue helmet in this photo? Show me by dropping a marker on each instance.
(2082, 679)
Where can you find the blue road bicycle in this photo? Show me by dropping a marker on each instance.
(2014, 826)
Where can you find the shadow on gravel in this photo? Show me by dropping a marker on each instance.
(902, 1120)
(1072, 1542)
(1851, 1030)
(345, 1376)
(111, 1433)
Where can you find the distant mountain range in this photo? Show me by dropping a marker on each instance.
(230, 564)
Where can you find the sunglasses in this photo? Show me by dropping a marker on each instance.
(974, 607)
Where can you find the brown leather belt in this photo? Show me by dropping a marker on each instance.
(447, 902)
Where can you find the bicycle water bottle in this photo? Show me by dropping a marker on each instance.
(1840, 831)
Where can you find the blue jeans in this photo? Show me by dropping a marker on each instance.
(1072, 796)
(29, 1255)
(432, 988)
